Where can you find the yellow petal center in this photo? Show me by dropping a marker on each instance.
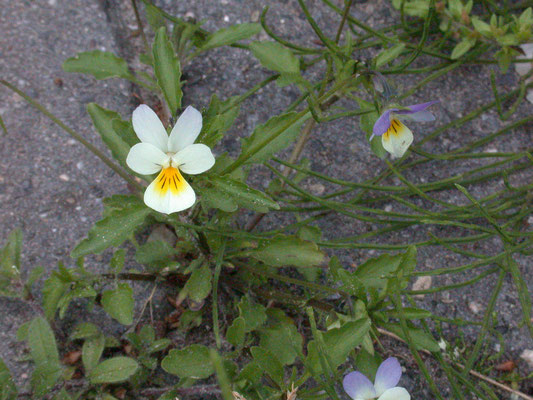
(169, 179)
(394, 129)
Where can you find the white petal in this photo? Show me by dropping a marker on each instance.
(397, 393)
(421, 116)
(169, 192)
(397, 139)
(146, 159)
(186, 130)
(194, 159)
(388, 375)
(149, 128)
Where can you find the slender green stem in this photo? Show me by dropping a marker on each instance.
(107, 161)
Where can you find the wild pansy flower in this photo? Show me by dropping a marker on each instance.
(395, 136)
(168, 155)
(359, 387)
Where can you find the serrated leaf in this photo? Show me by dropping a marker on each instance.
(8, 390)
(288, 250)
(103, 123)
(167, 70)
(112, 230)
(462, 47)
(389, 54)
(227, 36)
(100, 64)
(271, 137)
(214, 198)
(113, 370)
(117, 261)
(91, 352)
(119, 303)
(243, 195)
(191, 362)
(42, 343)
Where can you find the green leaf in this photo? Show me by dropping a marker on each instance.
(376, 272)
(119, 303)
(190, 362)
(8, 390)
(482, 27)
(218, 119)
(198, 286)
(85, 330)
(276, 57)
(10, 264)
(62, 395)
(215, 198)
(262, 144)
(167, 70)
(288, 250)
(283, 341)
(421, 339)
(157, 254)
(154, 16)
(53, 291)
(227, 36)
(366, 123)
(44, 378)
(236, 331)
(243, 195)
(253, 313)
(410, 313)
(100, 64)
(339, 342)
(112, 230)
(91, 352)
(42, 343)
(103, 123)
(117, 261)
(113, 370)
(268, 363)
(462, 47)
(389, 54)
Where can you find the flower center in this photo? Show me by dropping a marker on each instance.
(169, 179)
(394, 129)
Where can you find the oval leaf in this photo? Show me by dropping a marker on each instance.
(191, 362)
(119, 303)
(100, 64)
(117, 369)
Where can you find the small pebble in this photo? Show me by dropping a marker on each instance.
(422, 283)
(527, 356)
(474, 306)
(64, 177)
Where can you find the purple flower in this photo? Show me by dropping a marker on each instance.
(395, 136)
(389, 372)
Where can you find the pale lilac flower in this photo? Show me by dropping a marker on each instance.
(395, 136)
(359, 387)
(168, 155)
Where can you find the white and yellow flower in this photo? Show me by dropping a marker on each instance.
(168, 155)
(395, 136)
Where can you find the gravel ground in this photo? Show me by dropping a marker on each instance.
(52, 188)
